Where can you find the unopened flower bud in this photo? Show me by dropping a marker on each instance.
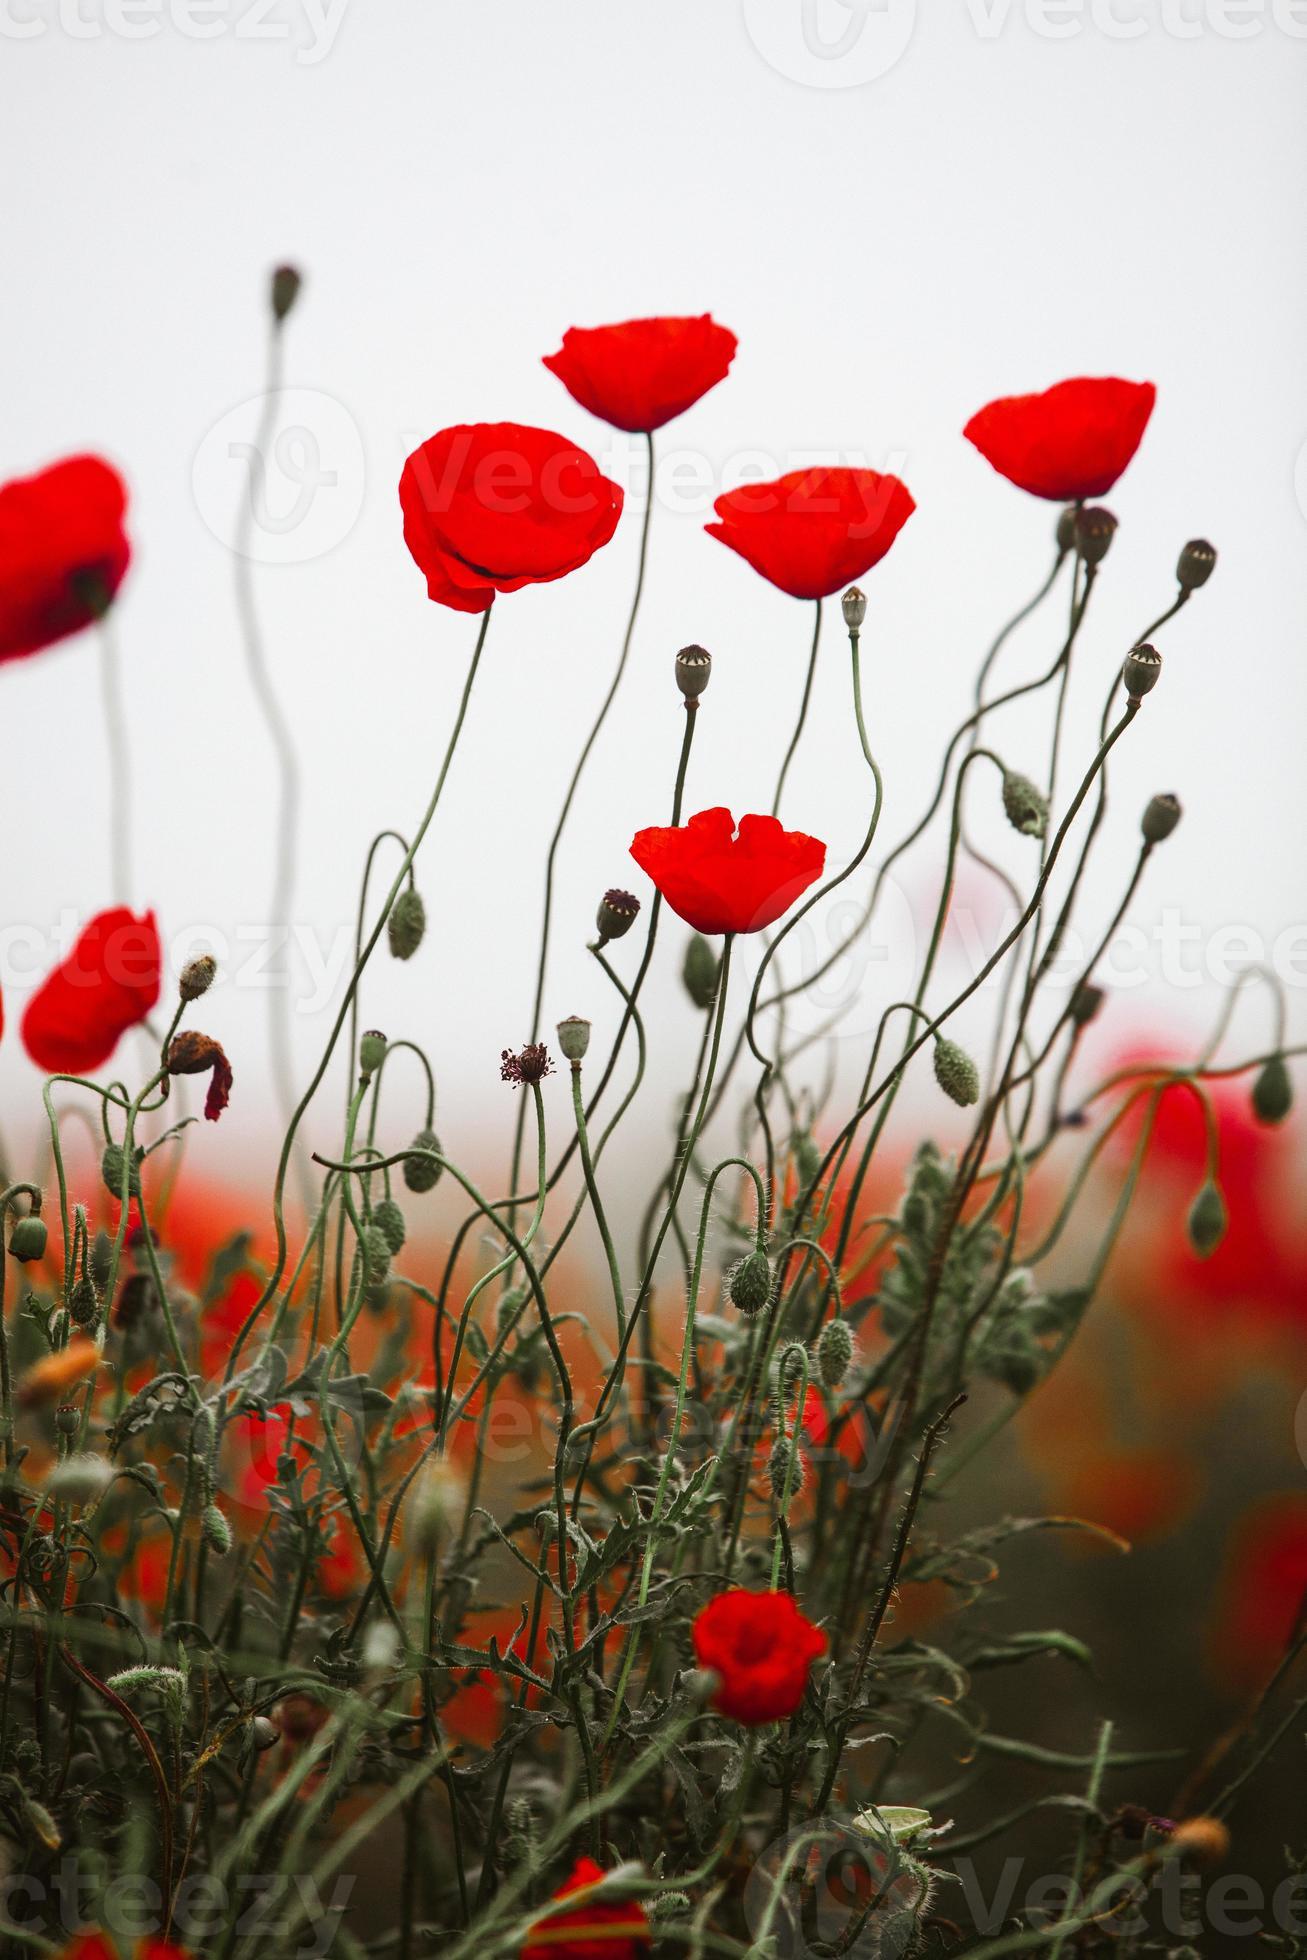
(693, 671)
(1142, 671)
(422, 1173)
(1095, 529)
(616, 914)
(1195, 565)
(1161, 815)
(376, 1251)
(263, 1733)
(574, 1037)
(750, 1283)
(372, 1051)
(1025, 807)
(197, 977)
(699, 972)
(1207, 1220)
(389, 1221)
(510, 1308)
(1272, 1091)
(83, 1303)
(668, 1905)
(27, 1239)
(286, 283)
(407, 923)
(1085, 1003)
(956, 1073)
(1066, 527)
(784, 1476)
(67, 1417)
(854, 607)
(834, 1352)
(215, 1531)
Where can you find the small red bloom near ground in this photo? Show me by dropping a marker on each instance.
(641, 373)
(812, 532)
(97, 1946)
(63, 552)
(493, 506)
(108, 983)
(720, 879)
(1069, 443)
(602, 1931)
(762, 1646)
(1264, 1592)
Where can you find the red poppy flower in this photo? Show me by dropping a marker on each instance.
(1069, 443)
(1264, 1588)
(626, 1925)
(812, 532)
(762, 1646)
(492, 506)
(95, 1946)
(63, 552)
(108, 983)
(640, 374)
(719, 879)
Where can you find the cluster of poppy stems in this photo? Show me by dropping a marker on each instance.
(489, 508)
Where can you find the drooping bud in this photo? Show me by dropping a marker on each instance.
(1095, 529)
(197, 976)
(286, 283)
(1066, 527)
(376, 1251)
(616, 914)
(750, 1283)
(1142, 671)
(215, 1531)
(407, 923)
(956, 1073)
(1207, 1220)
(574, 1037)
(1025, 807)
(784, 1476)
(83, 1303)
(263, 1733)
(389, 1221)
(1272, 1091)
(1195, 565)
(1085, 1003)
(1161, 815)
(693, 671)
(27, 1239)
(854, 607)
(834, 1352)
(422, 1173)
(699, 972)
(372, 1051)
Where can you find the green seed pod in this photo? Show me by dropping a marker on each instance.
(1160, 818)
(215, 1531)
(750, 1283)
(1207, 1220)
(111, 1170)
(780, 1472)
(376, 1250)
(1196, 563)
(574, 1037)
(420, 1173)
(1085, 1003)
(389, 1221)
(854, 607)
(1273, 1091)
(407, 923)
(693, 671)
(67, 1418)
(1095, 529)
(1025, 807)
(1066, 527)
(616, 915)
(700, 971)
(834, 1352)
(284, 291)
(1141, 672)
(372, 1051)
(83, 1303)
(27, 1239)
(197, 976)
(956, 1073)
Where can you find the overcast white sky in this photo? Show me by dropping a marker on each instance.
(1022, 194)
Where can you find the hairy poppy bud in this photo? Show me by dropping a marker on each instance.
(834, 1352)
(574, 1037)
(693, 671)
(1161, 815)
(1095, 529)
(1195, 565)
(1025, 807)
(263, 1733)
(375, 1248)
(372, 1051)
(215, 1531)
(197, 976)
(27, 1239)
(1272, 1091)
(854, 607)
(699, 972)
(407, 923)
(421, 1173)
(1066, 527)
(616, 915)
(784, 1476)
(286, 283)
(67, 1418)
(1142, 671)
(1085, 1003)
(956, 1073)
(1207, 1220)
(389, 1221)
(750, 1283)
(83, 1303)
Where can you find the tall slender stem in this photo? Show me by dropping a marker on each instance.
(120, 781)
(803, 712)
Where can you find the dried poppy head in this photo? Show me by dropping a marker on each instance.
(617, 913)
(531, 1065)
(190, 1053)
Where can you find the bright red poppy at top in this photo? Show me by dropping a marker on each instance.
(492, 506)
(108, 983)
(812, 532)
(763, 1647)
(1069, 443)
(604, 1930)
(720, 879)
(63, 552)
(642, 373)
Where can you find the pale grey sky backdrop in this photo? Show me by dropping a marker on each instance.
(1025, 192)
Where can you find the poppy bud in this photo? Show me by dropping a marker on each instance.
(263, 1733)
(197, 977)
(1066, 527)
(956, 1073)
(1142, 671)
(407, 923)
(834, 1352)
(27, 1239)
(67, 1417)
(616, 915)
(1160, 818)
(286, 283)
(750, 1283)
(1196, 563)
(1025, 807)
(83, 1303)
(389, 1221)
(700, 972)
(574, 1037)
(1207, 1220)
(215, 1531)
(376, 1251)
(1095, 529)
(693, 671)
(854, 607)
(1272, 1092)
(669, 1905)
(101, 1259)
(421, 1173)
(372, 1051)
(785, 1478)
(1085, 1003)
